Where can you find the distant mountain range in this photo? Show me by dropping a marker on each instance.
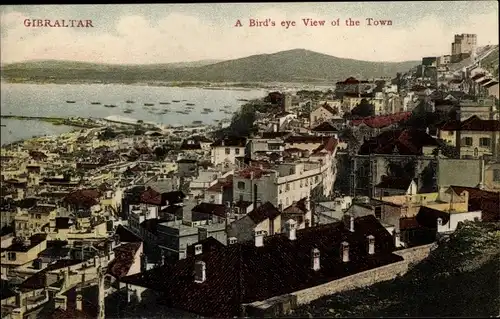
(297, 65)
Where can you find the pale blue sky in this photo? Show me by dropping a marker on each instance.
(159, 33)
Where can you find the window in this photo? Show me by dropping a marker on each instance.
(287, 187)
(378, 212)
(496, 175)
(11, 255)
(301, 184)
(228, 151)
(241, 198)
(468, 141)
(38, 216)
(484, 142)
(280, 189)
(316, 178)
(241, 185)
(273, 147)
(237, 151)
(476, 152)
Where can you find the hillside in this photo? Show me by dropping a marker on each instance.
(461, 278)
(286, 66)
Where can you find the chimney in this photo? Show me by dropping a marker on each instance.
(291, 230)
(344, 246)
(61, 302)
(200, 272)
(259, 238)
(315, 259)
(351, 223)
(371, 244)
(258, 202)
(198, 249)
(280, 208)
(101, 272)
(144, 262)
(397, 238)
(233, 240)
(251, 175)
(79, 300)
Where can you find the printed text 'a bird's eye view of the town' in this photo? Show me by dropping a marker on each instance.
(250, 160)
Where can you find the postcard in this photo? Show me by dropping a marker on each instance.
(302, 159)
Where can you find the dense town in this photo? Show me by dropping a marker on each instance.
(303, 195)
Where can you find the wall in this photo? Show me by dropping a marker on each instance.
(219, 154)
(284, 304)
(489, 182)
(447, 172)
(456, 218)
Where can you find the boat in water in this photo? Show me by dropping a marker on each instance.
(70, 101)
(164, 103)
(148, 104)
(128, 111)
(176, 101)
(95, 103)
(129, 101)
(197, 122)
(243, 100)
(190, 104)
(206, 109)
(109, 105)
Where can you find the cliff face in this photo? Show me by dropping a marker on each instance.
(460, 278)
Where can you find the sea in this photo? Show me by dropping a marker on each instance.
(51, 100)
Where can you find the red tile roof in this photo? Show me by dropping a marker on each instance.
(487, 202)
(227, 183)
(473, 123)
(325, 127)
(84, 198)
(263, 212)
(243, 273)
(211, 209)
(329, 146)
(124, 259)
(383, 120)
(150, 196)
(247, 172)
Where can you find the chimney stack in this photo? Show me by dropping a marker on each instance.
(397, 238)
(371, 244)
(315, 259)
(61, 302)
(233, 240)
(259, 238)
(144, 262)
(345, 251)
(198, 249)
(79, 300)
(291, 229)
(200, 272)
(258, 202)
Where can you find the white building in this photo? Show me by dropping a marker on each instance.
(227, 150)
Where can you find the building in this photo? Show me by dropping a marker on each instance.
(463, 44)
(265, 219)
(473, 137)
(221, 281)
(289, 181)
(324, 112)
(226, 150)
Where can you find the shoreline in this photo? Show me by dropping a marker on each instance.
(236, 86)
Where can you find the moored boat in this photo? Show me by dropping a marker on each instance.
(70, 101)
(95, 103)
